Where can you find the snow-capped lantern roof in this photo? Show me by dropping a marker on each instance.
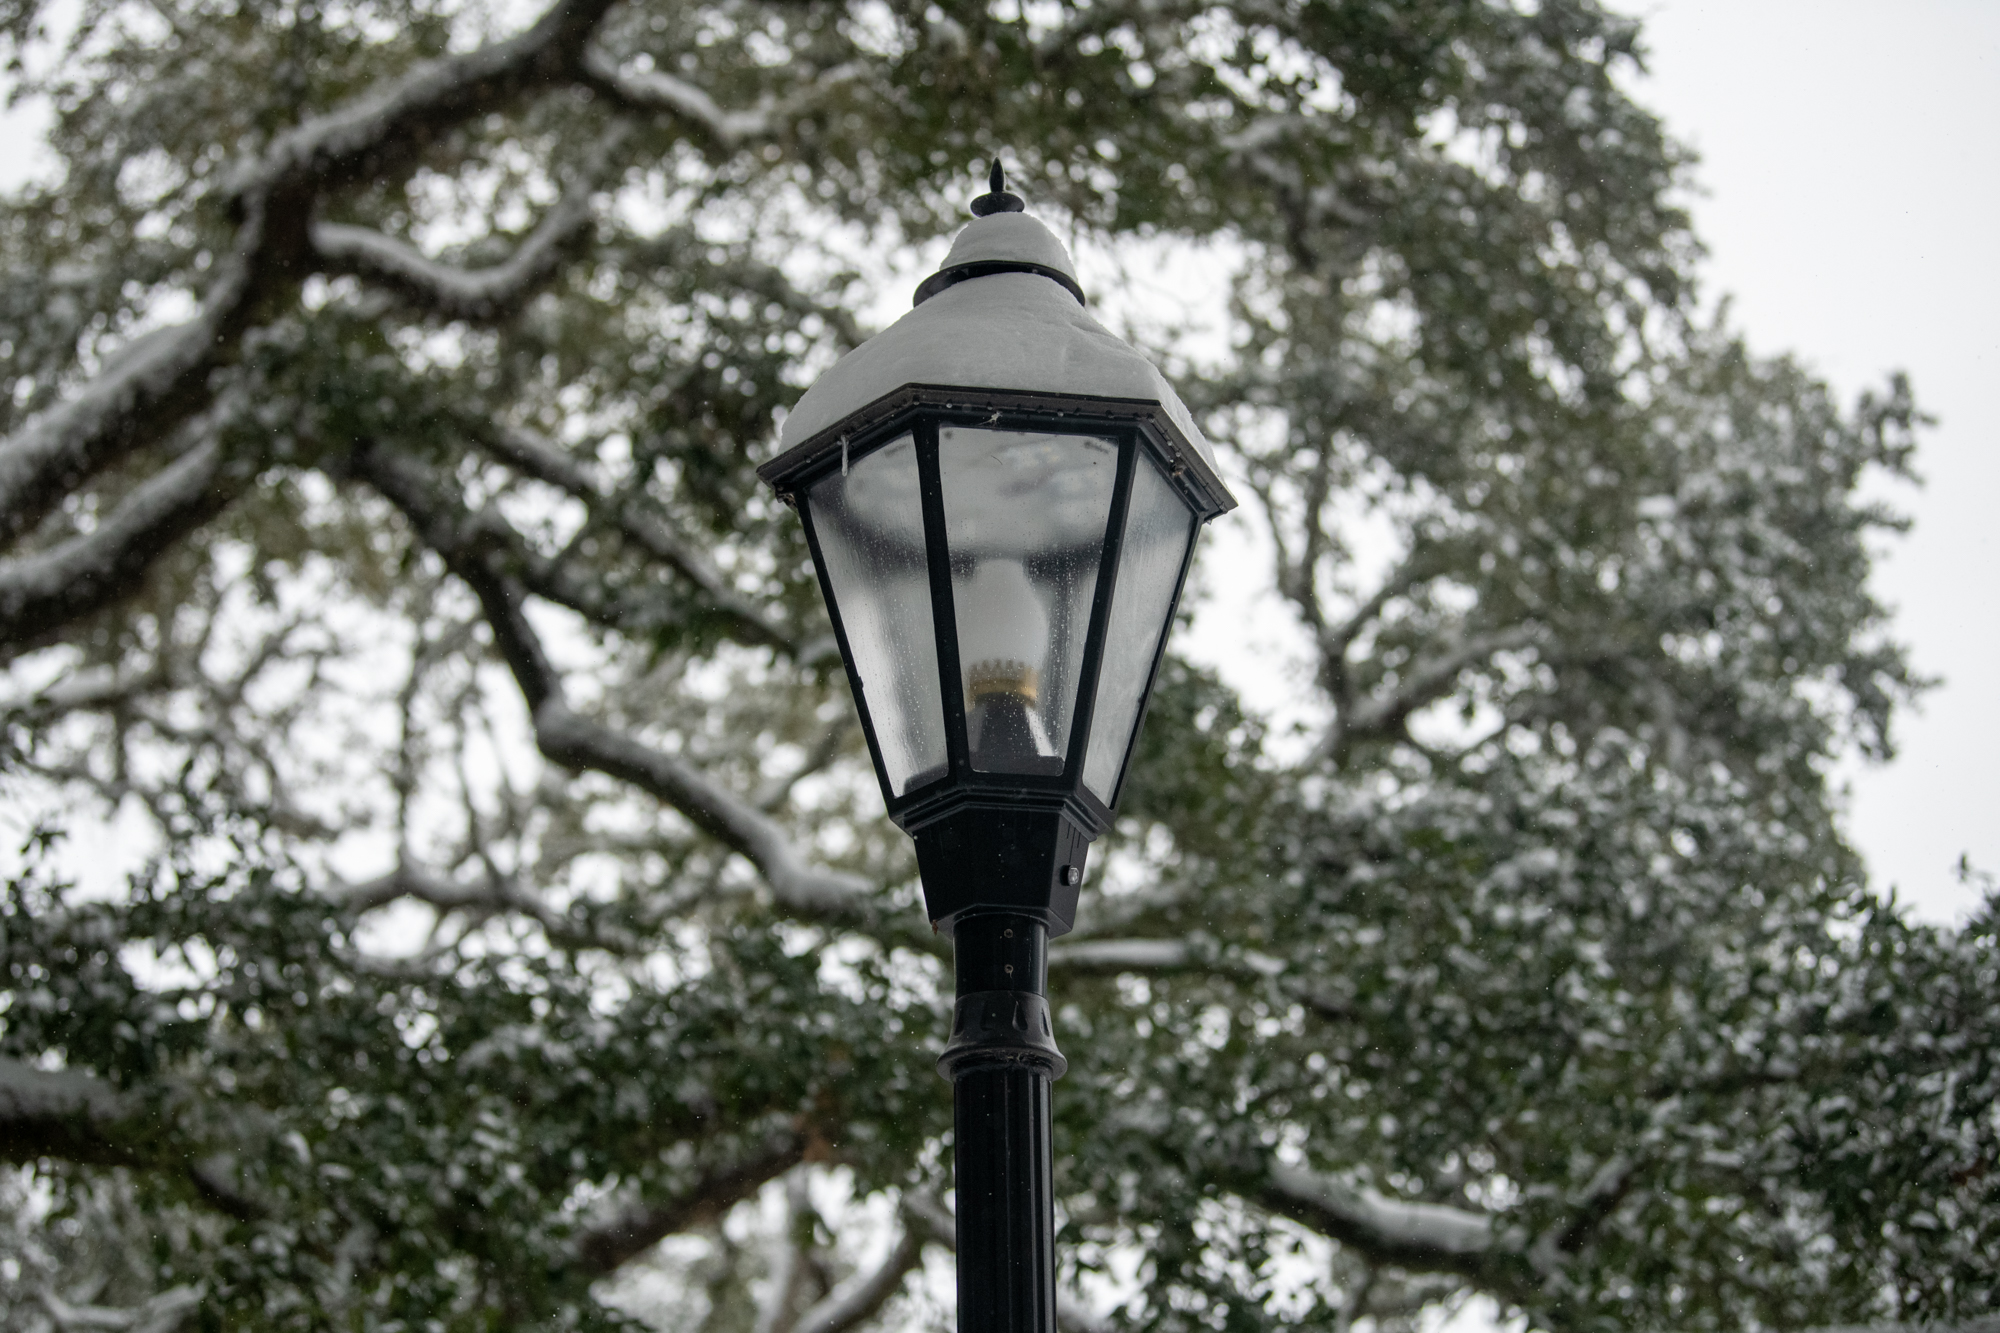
(1001, 500)
(1003, 314)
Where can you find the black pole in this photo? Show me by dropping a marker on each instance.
(1001, 1059)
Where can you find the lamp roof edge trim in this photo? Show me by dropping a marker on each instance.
(1004, 331)
(1184, 454)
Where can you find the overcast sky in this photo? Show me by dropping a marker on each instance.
(1852, 205)
(1850, 200)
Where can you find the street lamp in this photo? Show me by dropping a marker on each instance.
(1001, 498)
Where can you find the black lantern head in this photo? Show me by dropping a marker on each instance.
(1001, 498)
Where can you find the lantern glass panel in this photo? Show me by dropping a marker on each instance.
(1158, 528)
(1024, 514)
(868, 519)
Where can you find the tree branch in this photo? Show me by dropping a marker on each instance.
(160, 1314)
(573, 741)
(486, 537)
(78, 1117)
(456, 293)
(161, 379)
(576, 742)
(152, 385)
(85, 574)
(1588, 1211)
(493, 894)
(1102, 958)
(1430, 679)
(858, 1300)
(1422, 1237)
(656, 90)
(64, 1114)
(607, 1246)
(375, 134)
(548, 464)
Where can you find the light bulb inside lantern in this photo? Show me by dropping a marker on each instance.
(1004, 641)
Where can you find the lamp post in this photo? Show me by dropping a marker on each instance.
(1001, 498)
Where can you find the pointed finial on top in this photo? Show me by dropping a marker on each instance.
(997, 199)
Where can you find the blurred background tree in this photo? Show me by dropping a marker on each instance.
(510, 937)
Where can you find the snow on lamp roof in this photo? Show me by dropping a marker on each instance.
(1004, 312)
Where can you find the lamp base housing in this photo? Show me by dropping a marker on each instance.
(982, 858)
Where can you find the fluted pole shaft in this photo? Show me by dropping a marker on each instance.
(1001, 1059)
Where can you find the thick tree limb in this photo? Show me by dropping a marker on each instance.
(160, 1314)
(656, 90)
(377, 133)
(1157, 957)
(486, 537)
(89, 690)
(1110, 957)
(452, 292)
(548, 464)
(610, 1244)
(151, 386)
(856, 1301)
(161, 379)
(493, 894)
(1422, 1237)
(85, 574)
(67, 1115)
(1382, 717)
(77, 1117)
(573, 741)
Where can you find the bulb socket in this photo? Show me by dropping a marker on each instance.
(1001, 676)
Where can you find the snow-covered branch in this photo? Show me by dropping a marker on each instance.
(566, 737)
(63, 1113)
(162, 378)
(88, 690)
(615, 1241)
(160, 1314)
(859, 1299)
(494, 893)
(1156, 957)
(646, 530)
(453, 292)
(41, 591)
(1382, 716)
(448, 527)
(1425, 1237)
(1110, 957)
(574, 741)
(389, 123)
(149, 387)
(1335, 640)
(1587, 1211)
(77, 1117)
(656, 90)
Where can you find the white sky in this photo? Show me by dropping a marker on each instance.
(1852, 210)
(1850, 217)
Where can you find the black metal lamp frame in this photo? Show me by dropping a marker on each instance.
(1002, 854)
(965, 814)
